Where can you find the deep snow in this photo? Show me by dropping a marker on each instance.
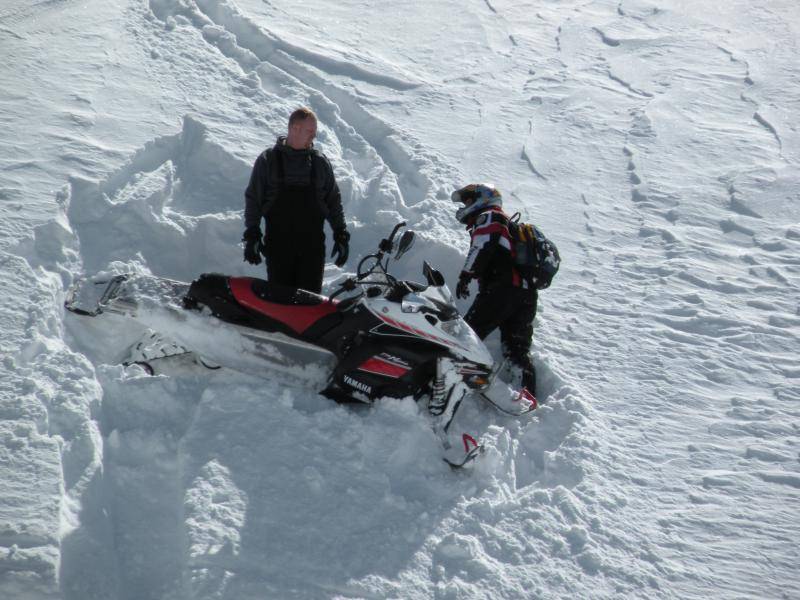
(654, 141)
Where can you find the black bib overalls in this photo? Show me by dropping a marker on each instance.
(295, 238)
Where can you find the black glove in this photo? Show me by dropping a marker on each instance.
(341, 247)
(253, 246)
(462, 289)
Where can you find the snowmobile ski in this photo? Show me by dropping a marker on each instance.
(472, 449)
(524, 403)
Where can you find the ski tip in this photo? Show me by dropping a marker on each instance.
(526, 398)
(472, 449)
(469, 442)
(519, 406)
(467, 460)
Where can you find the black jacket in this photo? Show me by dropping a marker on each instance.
(295, 168)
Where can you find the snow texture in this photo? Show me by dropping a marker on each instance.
(653, 140)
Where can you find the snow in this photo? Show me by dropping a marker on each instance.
(655, 141)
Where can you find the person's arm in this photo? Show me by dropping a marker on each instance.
(333, 199)
(255, 193)
(486, 238)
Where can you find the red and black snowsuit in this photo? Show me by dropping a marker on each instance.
(504, 299)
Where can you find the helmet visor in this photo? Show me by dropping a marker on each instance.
(464, 196)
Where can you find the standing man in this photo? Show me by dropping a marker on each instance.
(292, 187)
(505, 299)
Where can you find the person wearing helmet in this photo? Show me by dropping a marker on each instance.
(293, 189)
(505, 300)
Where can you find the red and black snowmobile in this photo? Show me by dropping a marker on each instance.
(375, 337)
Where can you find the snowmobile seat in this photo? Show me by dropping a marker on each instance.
(257, 303)
(294, 308)
(281, 294)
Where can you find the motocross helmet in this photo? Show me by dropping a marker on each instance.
(475, 197)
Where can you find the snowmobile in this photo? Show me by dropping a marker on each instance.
(375, 336)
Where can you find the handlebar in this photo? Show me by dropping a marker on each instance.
(348, 285)
(385, 246)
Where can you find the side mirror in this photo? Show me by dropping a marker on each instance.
(432, 276)
(387, 244)
(405, 243)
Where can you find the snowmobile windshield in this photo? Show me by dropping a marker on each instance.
(432, 299)
(452, 323)
(442, 297)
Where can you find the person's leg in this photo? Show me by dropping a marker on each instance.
(281, 263)
(487, 312)
(516, 334)
(310, 266)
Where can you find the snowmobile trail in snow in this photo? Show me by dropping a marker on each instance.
(663, 460)
(357, 130)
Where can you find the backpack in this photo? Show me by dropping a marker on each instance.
(535, 257)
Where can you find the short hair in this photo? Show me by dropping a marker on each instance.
(301, 114)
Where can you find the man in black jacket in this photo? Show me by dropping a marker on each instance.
(505, 299)
(292, 187)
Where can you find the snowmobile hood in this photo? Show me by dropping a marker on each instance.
(455, 335)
